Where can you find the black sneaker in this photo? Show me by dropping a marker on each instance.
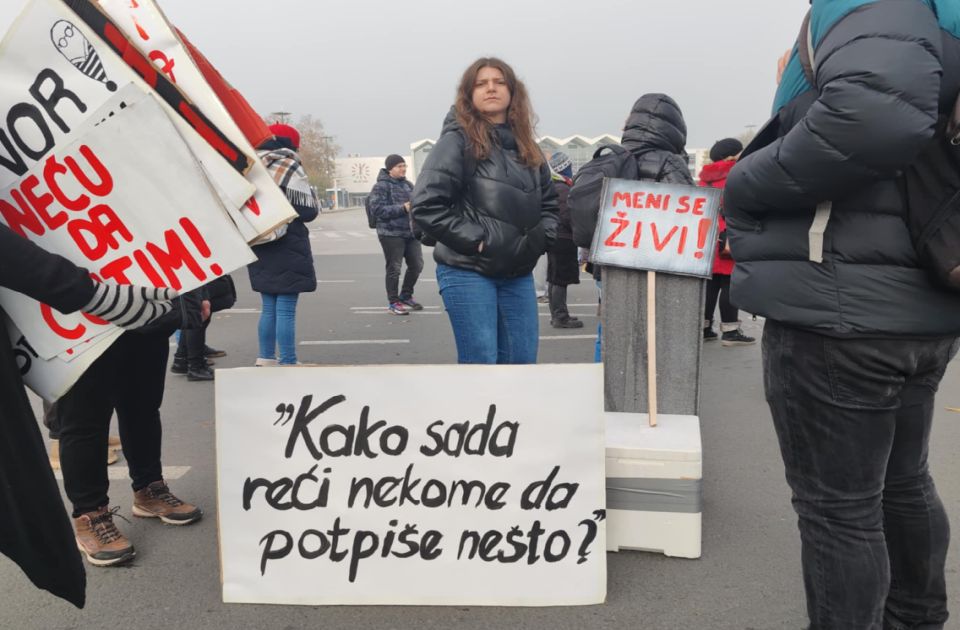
(709, 334)
(566, 323)
(213, 353)
(736, 338)
(199, 373)
(179, 366)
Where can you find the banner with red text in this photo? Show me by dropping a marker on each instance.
(128, 215)
(56, 73)
(147, 28)
(657, 227)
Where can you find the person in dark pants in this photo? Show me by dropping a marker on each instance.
(563, 267)
(723, 156)
(193, 356)
(858, 333)
(128, 378)
(390, 204)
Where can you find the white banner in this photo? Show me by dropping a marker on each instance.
(128, 202)
(55, 73)
(421, 485)
(657, 227)
(145, 25)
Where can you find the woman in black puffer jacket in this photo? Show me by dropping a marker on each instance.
(485, 195)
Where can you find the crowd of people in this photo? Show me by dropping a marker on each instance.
(815, 236)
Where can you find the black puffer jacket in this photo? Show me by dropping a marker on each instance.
(510, 208)
(884, 68)
(386, 203)
(656, 135)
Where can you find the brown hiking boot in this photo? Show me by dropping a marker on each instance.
(100, 540)
(156, 501)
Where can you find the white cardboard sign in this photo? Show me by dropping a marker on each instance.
(55, 74)
(412, 485)
(657, 227)
(145, 25)
(127, 201)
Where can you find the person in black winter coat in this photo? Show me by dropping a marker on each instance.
(486, 197)
(284, 268)
(35, 532)
(857, 336)
(563, 267)
(390, 205)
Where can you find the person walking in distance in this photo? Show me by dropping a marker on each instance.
(390, 205)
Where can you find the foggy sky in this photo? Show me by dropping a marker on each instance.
(381, 75)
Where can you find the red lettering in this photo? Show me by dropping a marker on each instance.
(130, 54)
(103, 224)
(638, 199)
(684, 204)
(207, 133)
(618, 197)
(166, 65)
(114, 270)
(174, 257)
(17, 219)
(659, 244)
(683, 240)
(702, 231)
(654, 201)
(142, 33)
(254, 207)
(621, 221)
(51, 169)
(105, 187)
(148, 269)
(637, 234)
(67, 333)
(698, 204)
(41, 203)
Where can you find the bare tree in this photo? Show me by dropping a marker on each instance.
(318, 151)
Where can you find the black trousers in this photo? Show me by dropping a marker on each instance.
(853, 417)
(396, 249)
(719, 287)
(129, 378)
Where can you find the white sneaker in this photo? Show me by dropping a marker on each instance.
(261, 362)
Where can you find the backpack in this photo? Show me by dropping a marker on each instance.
(371, 220)
(930, 187)
(583, 202)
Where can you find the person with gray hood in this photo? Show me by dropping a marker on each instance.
(857, 334)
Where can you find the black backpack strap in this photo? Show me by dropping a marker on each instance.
(805, 51)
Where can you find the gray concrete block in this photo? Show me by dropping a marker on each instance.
(680, 302)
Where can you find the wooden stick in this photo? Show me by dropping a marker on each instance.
(652, 347)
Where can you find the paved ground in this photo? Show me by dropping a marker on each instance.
(748, 576)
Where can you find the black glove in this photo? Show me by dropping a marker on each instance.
(129, 306)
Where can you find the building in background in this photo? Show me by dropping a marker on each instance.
(357, 175)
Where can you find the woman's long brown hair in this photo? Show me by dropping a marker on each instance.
(520, 114)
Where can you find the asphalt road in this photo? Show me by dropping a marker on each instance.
(748, 578)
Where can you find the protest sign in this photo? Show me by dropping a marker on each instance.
(657, 227)
(127, 215)
(147, 28)
(57, 72)
(52, 378)
(421, 485)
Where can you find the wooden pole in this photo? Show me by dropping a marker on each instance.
(652, 347)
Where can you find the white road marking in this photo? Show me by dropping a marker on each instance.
(348, 342)
(119, 471)
(336, 281)
(563, 337)
(239, 311)
(371, 308)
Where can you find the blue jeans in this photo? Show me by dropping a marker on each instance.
(278, 327)
(494, 320)
(853, 419)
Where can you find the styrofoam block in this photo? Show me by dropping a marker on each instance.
(656, 472)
